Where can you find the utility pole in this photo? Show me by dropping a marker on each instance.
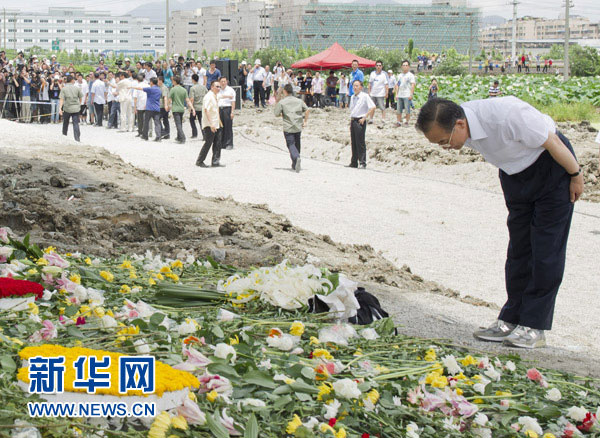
(15, 32)
(4, 46)
(471, 45)
(567, 35)
(168, 27)
(513, 52)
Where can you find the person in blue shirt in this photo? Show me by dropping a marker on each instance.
(355, 75)
(213, 74)
(153, 95)
(167, 75)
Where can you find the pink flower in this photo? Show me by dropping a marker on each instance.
(195, 360)
(133, 314)
(56, 260)
(48, 279)
(535, 375)
(505, 403)
(210, 382)
(3, 235)
(227, 421)
(466, 409)
(46, 333)
(432, 402)
(414, 395)
(191, 412)
(569, 431)
(80, 320)
(66, 284)
(515, 426)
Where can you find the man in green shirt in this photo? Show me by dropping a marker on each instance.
(177, 98)
(164, 109)
(197, 93)
(292, 109)
(69, 103)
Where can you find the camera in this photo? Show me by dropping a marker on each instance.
(119, 62)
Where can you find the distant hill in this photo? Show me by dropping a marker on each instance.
(156, 11)
(492, 20)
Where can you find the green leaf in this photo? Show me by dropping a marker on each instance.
(303, 397)
(282, 401)
(88, 274)
(251, 427)
(70, 311)
(217, 331)
(301, 386)
(215, 426)
(283, 389)
(223, 370)
(549, 412)
(8, 363)
(26, 240)
(259, 378)
(156, 319)
(143, 325)
(75, 332)
(212, 262)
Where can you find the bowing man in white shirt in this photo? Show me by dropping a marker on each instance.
(362, 109)
(541, 180)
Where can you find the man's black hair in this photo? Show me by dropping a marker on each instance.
(149, 64)
(444, 112)
(355, 60)
(96, 75)
(288, 88)
(331, 72)
(177, 79)
(405, 60)
(69, 78)
(212, 61)
(379, 61)
(154, 81)
(195, 77)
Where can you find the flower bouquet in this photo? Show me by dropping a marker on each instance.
(17, 294)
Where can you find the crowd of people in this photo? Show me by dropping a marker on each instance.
(523, 63)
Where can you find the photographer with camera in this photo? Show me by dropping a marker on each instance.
(24, 85)
(55, 87)
(44, 96)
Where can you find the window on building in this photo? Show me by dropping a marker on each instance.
(43, 40)
(192, 42)
(60, 21)
(60, 30)
(224, 30)
(78, 21)
(11, 20)
(225, 41)
(225, 20)
(108, 31)
(147, 45)
(27, 40)
(27, 20)
(123, 31)
(159, 45)
(108, 41)
(11, 30)
(123, 22)
(94, 21)
(28, 30)
(123, 41)
(147, 28)
(43, 21)
(43, 30)
(192, 23)
(94, 31)
(159, 36)
(108, 21)
(93, 41)
(78, 31)
(78, 41)
(147, 36)
(193, 33)
(159, 28)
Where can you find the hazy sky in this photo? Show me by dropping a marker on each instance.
(547, 8)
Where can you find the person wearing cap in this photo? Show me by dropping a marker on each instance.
(242, 76)
(128, 67)
(541, 180)
(213, 73)
(258, 76)
(389, 101)
(70, 104)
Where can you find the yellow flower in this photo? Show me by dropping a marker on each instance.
(504, 393)
(358, 352)
(321, 352)
(314, 340)
(34, 309)
(324, 389)
(161, 424)
(549, 435)
(50, 249)
(531, 434)
(478, 401)
(288, 381)
(173, 277)
(132, 274)
(126, 265)
(107, 276)
(99, 312)
(151, 281)
(177, 264)
(373, 395)
(234, 341)
(32, 271)
(297, 328)
(42, 262)
(110, 312)
(436, 380)
(84, 310)
(460, 376)
(88, 261)
(430, 355)
(192, 396)
(469, 360)
(293, 425)
(61, 310)
(212, 396)
(179, 422)
(75, 278)
(324, 427)
(459, 391)
(341, 433)
(165, 270)
(125, 289)
(159, 276)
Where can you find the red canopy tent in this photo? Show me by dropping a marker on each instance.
(333, 58)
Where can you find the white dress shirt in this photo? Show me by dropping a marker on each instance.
(83, 86)
(360, 104)
(226, 97)
(141, 96)
(210, 109)
(259, 74)
(123, 90)
(508, 132)
(98, 90)
(598, 138)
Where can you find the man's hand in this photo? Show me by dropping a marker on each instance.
(60, 112)
(362, 121)
(410, 97)
(213, 130)
(576, 187)
(194, 112)
(232, 115)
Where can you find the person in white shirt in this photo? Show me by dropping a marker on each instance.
(362, 109)
(378, 87)
(389, 101)
(201, 74)
(139, 104)
(258, 74)
(541, 181)
(99, 97)
(125, 98)
(316, 88)
(405, 89)
(85, 89)
(211, 123)
(226, 98)
(343, 93)
(279, 73)
(186, 78)
(149, 73)
(114, 107)
(268, 83)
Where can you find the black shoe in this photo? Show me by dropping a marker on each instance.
(180, 141)
(144, 138)
(157, 139)
(138, 135)
(165, 137)
(362, 166)
(194, 136)
(217, 165)
(229, 148)
(352, 165)
(200, 164)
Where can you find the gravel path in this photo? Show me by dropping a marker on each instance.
(447, 224)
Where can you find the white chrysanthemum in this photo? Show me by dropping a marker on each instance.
(492, 373)
(225, 315)
(108, 321)
(577, 413)
(223, 350)
(311, 423)
(252, 402)
(95, 297)
(370, 334)
(284, 342)
(449, 424)
(482, 432)
(451, 365)
(141, 346)
(346, 388)
(338, 334)
(266, 364)
(187, 327)
(530, 423)
(412, 430)
(510, 366)
(481, 419)
(332, 409)
(553, 394)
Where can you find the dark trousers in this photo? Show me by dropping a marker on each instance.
(75, 118)
(389, 101)
(114, 113)
(155, 116)
(227, 130)
(140, 122)
(99, 110)
(244, 86)
(109, 109)
(267, 93)
(539, 218)
(193, 119)
(164, 119)
(259, 93)
(178, 119)
(359, 147)
(211, 140)
(292, 140)
(45, 109)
